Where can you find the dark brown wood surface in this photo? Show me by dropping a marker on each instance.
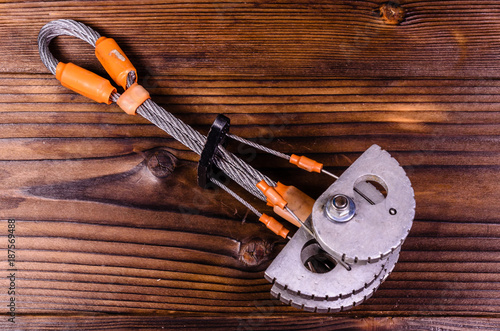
(99, 232)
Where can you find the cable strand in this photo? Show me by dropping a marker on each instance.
(238, 170)
(258, 146)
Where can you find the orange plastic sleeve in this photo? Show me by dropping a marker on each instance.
(306, 163)
(300, 203)
(274, 225)
(273, 197)
(84, 82)
(132, 98)
(114, 60)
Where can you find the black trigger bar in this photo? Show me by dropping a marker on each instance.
(216, 136)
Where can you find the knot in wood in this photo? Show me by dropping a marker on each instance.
(255, 252)
(392, 13)
(161, 163)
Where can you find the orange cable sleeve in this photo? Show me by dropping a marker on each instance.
(273, 225)
(306, 163)
(84, 82)
(273, 197)
(132, 98)
(300, 203)
(114, 60)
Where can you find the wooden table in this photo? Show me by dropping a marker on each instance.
(108, 236)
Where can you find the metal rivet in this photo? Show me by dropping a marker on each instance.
(340, 202)
(340, 208)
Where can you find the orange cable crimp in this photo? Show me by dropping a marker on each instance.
(306, 163)
(273, 197)
(114, 60)
(273, 225)
(132, 98)
(84, 82)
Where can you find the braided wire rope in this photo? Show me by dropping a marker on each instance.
(258, 146)
(234, 167)
(62, 27)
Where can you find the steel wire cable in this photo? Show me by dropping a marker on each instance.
(235, 168)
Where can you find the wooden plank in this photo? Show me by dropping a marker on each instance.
(99, 232)
(262, 320)
(296, 38)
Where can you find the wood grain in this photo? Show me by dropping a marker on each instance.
(258, 321)
(99, 233)
(292, 38)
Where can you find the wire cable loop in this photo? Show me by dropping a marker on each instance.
(239, 171)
